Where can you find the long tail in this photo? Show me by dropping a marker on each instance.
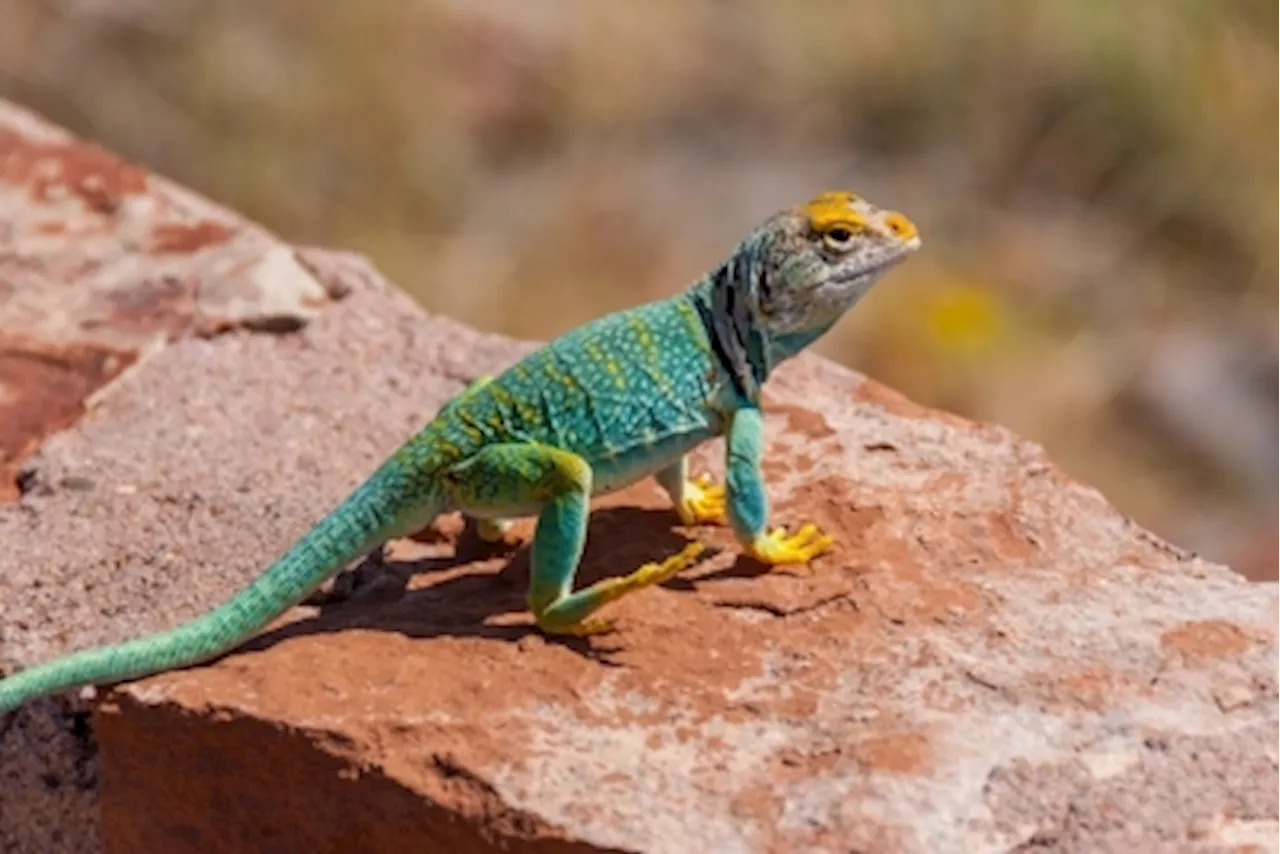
(375, 512)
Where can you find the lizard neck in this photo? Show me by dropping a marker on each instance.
(739, 345)
(784, 346)
(744, 349)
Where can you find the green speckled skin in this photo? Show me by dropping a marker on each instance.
(618, 399)
(626, 393)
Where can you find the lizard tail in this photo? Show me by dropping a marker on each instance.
(371, 515)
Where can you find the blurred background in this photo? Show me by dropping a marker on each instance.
(1096, 184)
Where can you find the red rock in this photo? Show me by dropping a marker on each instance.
(101, 264)
(984, 615)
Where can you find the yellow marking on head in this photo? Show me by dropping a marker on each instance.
(902, 228)
(834, 209)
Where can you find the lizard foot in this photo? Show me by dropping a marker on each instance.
(555, 620)
(778, 547)
(703, 502)
(587, 628)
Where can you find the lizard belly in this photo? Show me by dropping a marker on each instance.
(613, 472)
(610, 472)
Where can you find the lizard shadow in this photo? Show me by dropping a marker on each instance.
(461, 595)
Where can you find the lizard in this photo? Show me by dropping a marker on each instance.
(623, 397)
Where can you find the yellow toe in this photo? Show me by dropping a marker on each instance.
(657, 573)
(778, 547)
(704, 502)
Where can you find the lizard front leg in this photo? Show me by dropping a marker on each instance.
(516, 475)
(697, 501)
(748, 505)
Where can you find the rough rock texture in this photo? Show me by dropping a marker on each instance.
(992, 660)
(101, 264)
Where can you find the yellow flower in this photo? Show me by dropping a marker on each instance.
(963, 318)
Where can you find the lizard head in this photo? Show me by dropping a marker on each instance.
(814, 261)
(793, 277)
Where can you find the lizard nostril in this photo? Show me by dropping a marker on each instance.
(900, 226)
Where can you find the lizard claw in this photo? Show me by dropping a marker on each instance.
(704, 502)
(592, 626)
(779, 547)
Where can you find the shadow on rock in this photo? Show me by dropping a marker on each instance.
(462, 594)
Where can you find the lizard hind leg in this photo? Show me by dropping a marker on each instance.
(514, 475)
(697, 501)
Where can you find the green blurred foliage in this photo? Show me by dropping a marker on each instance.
(1095, 183)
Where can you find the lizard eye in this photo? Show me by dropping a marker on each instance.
(838, 238)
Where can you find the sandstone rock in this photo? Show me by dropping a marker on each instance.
(993, 659)
(101, 264)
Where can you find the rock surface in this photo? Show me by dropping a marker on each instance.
(93, 280)
(101, 264)
(993, 659)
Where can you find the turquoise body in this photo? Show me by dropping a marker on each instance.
(629, 393)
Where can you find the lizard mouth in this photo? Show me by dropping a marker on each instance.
(888, 255)
(861, 274)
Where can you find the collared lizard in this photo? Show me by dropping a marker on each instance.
(622, 397)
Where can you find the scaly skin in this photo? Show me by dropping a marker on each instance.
(621, 398)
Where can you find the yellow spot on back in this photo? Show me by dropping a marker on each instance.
(614, 370)
(834, 208)
(644, 336)
(693, 324)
